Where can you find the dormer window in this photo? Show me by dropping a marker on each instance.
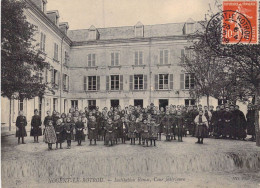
(139, 30)
(44, 2)
(93, 33)
(189, 27)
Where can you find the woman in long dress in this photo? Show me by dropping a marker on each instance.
(201, 127)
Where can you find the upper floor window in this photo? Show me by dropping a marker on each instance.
(42, 43)
(114, 82)
(138, 82)
(138, 58)
(92, 83)
(91, 60)
(115, 58)
(164, 57)
(163, 81)
(189, 81)
(139, 30)
(66, 57)
(65, 82)
(56, 50)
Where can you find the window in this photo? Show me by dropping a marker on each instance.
(189, 102)
(164, 57)
(114, 103)
(56, 76)
(46, 75)
(91, 60)
(55, 104)
(222, 101)
(138, 102)
(42, 43)
(114, 59)
(66, 58)
(65, 82)
(138, 57)
(114, 82)
(138, 82)
(92, 35)
(74, 103)
(91, 104)
(20, 105)
(92, 83)
(40, 106)
(56, 49)
(139, 31)
(163, 81)
(189, 81)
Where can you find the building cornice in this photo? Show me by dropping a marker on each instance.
(47, 21)
(130, 40)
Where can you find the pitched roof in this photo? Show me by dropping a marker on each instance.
(128, 32)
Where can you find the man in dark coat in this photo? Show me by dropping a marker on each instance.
(250, 117)
(167, 122)
(227, 123)
(21, 122)
(36, 123)
(241, 124)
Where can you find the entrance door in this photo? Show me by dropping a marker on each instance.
(138, 102)
(163, 103)
(40, 106)
(114, 103)
(91, 104)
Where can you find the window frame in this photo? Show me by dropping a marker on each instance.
(163, 84)
(138, 81)
(88, 79)
(164, 57)
(114, 83)
(91, 62)
(139, 52)
(190, 81)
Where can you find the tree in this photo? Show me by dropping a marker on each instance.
(243, 62)
(22, 64)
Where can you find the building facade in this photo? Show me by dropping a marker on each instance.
(132, 65)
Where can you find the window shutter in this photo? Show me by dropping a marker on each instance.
(68, 83)
(140, 58)
(171, 81)
(85, 83)
(41, 44)
(93, 60)
(58, 79)
(46, 75)
(161, 57)
(112, 59)
(44, 39)
(52, 75)
(136, 58)
(145, 82)
(121, 82)
(107, 83)
(131, 82)
(182, 55)
(156, 82)
(98, 83)
(64, 81)
(117, 59)
(166, 56)
(182, 81)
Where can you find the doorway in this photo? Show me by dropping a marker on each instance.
(138, 102)
(114, 103)
(163, 103)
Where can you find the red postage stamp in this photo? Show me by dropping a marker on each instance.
(240, 22)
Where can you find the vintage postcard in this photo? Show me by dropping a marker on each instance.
(130, 93)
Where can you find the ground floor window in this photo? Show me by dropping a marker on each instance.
(55, 104)
(138, 102)
(222, 101)
(91, 104)
(20, 105)
(74, 103)
(114, 103)
(40, 106)
(189, 102)
(163, 103)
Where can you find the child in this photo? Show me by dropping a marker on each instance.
(21, 122)
(69, 132)
(124, 129)
(201, 128)
(153, 131)
(109, 132)
(92, 129)
(179, 125)
(116, 125)
(79, 126)
(36, 123)
(168, 125)
(59, 129)
(145, 132)
(50, 135)
(132, 130)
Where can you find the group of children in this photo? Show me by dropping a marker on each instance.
(136, 124)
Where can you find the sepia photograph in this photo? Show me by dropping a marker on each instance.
(130, 93)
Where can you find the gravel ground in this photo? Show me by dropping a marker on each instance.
(217, 163)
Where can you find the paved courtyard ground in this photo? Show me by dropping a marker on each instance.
(217, 163)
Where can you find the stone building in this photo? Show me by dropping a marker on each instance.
(131, 65)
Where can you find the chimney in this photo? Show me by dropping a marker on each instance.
(53, 15)
(64, 26)
(41, 4)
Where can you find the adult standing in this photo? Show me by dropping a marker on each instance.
(36, 129)
(21, 122)
(201, 127)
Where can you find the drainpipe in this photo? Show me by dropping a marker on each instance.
(61, 76)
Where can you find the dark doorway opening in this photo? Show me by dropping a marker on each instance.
(114, 103)
(91, 104)
(139, 102)
(163, 103)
